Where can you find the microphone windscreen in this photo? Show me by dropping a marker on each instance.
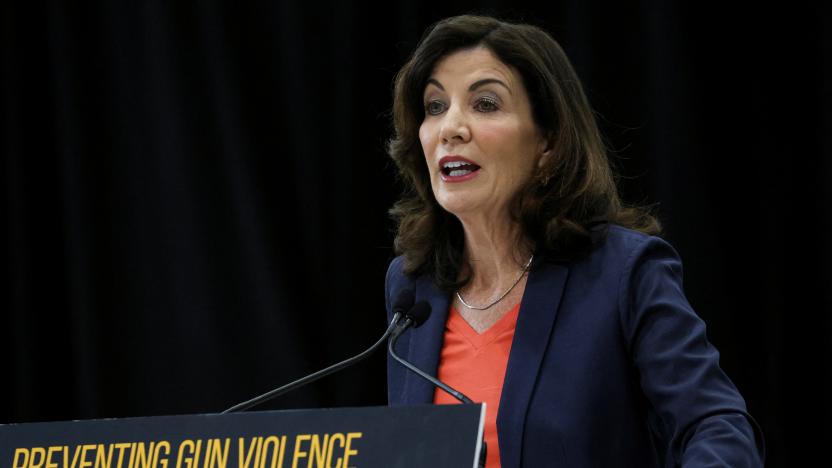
(419, 313)
(404, 301)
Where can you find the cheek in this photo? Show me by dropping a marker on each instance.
(513, 151)
(428, 144)
(425, 136)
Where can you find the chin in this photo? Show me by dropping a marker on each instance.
(457, 205)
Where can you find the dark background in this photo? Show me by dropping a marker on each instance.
(194, 194)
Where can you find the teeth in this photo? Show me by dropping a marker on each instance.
(453, 164)
(460, 172)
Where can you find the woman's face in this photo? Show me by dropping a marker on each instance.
(478, 136)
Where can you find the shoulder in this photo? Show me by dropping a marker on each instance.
(639, 251)
(627, 251)
(627, 241)
(395, 281)
(625, 263)
(395, 275)
(396, 268)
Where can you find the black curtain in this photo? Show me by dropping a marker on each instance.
(194, 194)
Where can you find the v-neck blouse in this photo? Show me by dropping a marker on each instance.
(475, 364)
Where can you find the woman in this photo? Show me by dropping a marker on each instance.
(552, 302)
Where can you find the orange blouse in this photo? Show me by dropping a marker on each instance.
(475, 364)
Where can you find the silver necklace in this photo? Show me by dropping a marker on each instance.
(522, 273)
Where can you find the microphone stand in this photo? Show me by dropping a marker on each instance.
(317, 375)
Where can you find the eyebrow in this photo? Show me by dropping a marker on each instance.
(475, 85)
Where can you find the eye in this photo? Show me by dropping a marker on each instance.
(434, 107)
(486, 104)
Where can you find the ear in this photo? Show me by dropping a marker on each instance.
(545, 148)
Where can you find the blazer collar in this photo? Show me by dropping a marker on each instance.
(426, 342)
(538, 310)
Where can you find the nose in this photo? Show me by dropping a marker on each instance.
(454, 128)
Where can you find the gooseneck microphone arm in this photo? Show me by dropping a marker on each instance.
(317, 375)
(391, 348)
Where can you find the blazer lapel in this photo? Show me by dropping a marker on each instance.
(535, 321)
(426, 342)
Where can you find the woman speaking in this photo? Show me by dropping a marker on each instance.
(553, 302)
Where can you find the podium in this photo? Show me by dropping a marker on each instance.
(435, 436)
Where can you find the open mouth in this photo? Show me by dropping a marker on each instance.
(452, 169)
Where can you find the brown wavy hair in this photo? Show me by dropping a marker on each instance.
(558, 208)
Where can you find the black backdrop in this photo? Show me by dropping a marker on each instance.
(194, 195)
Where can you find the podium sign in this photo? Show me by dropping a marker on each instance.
(433, 436)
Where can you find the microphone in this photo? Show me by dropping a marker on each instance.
(402, 304)
(414, 318)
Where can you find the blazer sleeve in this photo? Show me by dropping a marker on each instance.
(394, 271)
(694, 405)
(395, 373)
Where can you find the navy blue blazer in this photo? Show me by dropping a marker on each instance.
(609, 367)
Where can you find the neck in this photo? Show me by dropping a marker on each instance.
(496, 253)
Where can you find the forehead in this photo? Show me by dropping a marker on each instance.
(469, 65)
